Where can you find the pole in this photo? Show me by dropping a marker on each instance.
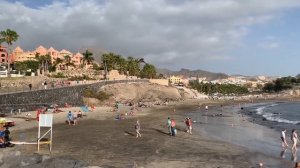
(39, 134)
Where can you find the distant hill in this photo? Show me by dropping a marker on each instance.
(193, 73)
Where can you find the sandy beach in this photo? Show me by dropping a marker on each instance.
(100, 140)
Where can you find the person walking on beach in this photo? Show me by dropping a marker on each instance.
(173, 129)
(45, 84)
(187, 125)
(30, 86)
(294, 138)
(169, 125)
(190, 125)
(283, 139)
(137, 127)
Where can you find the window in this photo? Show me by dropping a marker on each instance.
(2, 55)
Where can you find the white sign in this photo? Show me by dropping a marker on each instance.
(46, 120)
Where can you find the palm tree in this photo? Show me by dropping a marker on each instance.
(40, 60)
(44, 61)
(68, 61)
(57, 62)
(8, 36)
(47, 60)
(87, 58)
(133, 67)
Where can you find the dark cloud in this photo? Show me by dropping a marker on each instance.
(167, 33)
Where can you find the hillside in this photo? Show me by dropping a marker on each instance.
(193, 73)
(145, 92)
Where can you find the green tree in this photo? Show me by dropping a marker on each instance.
(87, 58)
(109, 61)
(148, 71)
(121, 64)
(44, 62)
(32, 65)
(21, 67)
(68, 61)
(269, 87)
(9, 36)
(57, 61)
(133, 66)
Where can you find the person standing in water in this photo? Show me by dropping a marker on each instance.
(294, 138)
(137, 127)
(283, 139)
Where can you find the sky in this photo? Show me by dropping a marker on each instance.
(248, 37)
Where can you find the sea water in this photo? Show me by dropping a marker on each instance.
(280, 112)
(262, 134)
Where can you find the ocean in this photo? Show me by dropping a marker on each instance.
(256, 127)
(277, 115)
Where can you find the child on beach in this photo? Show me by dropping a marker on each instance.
(137, 127)
(283, 139)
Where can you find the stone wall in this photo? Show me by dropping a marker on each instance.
(164, 82)
(32, 100)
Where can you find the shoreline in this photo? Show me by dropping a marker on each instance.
(112, 143)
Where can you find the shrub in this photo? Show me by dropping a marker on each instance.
(84, 77)
(58, 75)
(101, 95)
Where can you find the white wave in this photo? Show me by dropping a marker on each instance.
(260, 110)
(271, 117)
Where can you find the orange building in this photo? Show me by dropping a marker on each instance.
(3, 55)
(20, 55)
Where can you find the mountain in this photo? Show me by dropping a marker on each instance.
(193, 73)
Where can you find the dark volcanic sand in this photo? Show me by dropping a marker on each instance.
(112, 143)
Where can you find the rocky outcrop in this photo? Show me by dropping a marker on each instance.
(146, 92)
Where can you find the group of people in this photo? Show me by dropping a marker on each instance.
(171, 124)
(73, 116)
(294, 139)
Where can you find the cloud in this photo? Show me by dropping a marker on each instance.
(168, 33)
(269, 42)
(269, 45)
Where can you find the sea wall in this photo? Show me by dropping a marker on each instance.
(31, 100)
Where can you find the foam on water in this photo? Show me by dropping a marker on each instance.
(260, 110)
(273, 116)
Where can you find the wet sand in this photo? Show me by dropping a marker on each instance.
(107, 142)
